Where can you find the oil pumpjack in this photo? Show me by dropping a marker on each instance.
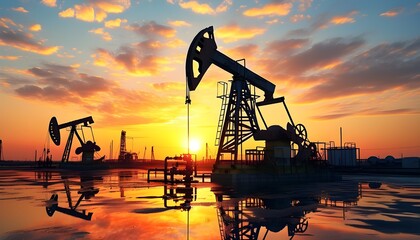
(87, 148)
(238, 116)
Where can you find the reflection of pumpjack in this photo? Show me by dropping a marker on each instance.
(242, 218)
(86, 192)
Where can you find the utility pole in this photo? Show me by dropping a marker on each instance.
(111, 150)
(1, 150)
(152, 156)
(207, 152)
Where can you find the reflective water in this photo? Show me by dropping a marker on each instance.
(120, 204)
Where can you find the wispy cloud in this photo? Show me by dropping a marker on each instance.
(299, 17)
(204, 8)
(100, 31)
(95, 10)
(247, 51)
(168, 85)
(49, 3)
(35, 28)
(322, 21)
(20, 9)
(57, 83)
(343, 19)
(141, 59)
(366, 112)
(11, 58)
(298, 61)
(270, 9)
(383, 67)
(11, 35)
(152, 29)
(392, 13)
(179, 23)
(233, 32)
(115, 23)
(304, 5)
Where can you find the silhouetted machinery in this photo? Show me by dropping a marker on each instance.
(87, 191)
(238, 118)
(87, 148)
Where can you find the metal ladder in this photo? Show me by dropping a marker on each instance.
(223, 95)
(221, 224)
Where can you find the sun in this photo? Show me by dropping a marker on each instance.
(194, 145)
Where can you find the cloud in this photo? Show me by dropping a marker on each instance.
(179, 23)
(233, 32)
(169, 85)
(247, 51)
(115, 23)
(299, 17)
(49, 3)
(321, 55)
(10, 58)
(57, 83)
(175, 43)
(392, 13)
(113, 104)
(140, 59)
(100, 31)
(347, 18)
(384, 67)
(281, 48)
(35, 28)
(95, 10)
(84, 13)
(11, 35)
(204, 8)
(366, 112)
(68, 13)
(304, 5)
(319, 23)
(273, 21)
(270, 9)
(152, 29)
(20, 9)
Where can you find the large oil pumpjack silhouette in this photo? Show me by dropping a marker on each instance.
(238, 116)
(87, 148)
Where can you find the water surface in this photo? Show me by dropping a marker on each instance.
(121, 204)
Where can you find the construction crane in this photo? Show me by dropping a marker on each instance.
(238, 118)
(87, 148)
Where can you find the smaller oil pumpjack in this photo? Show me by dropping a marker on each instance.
(87, 148)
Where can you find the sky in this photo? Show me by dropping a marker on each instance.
(348, 64)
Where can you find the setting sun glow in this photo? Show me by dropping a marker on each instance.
(195, 145)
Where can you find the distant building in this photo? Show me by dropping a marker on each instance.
(411, 162)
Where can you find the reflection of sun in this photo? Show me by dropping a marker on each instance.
(194, 145)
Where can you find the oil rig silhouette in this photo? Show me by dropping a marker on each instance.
(238, 120)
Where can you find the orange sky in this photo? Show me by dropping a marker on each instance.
(345, 65)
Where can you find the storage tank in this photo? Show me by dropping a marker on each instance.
(345, 157)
